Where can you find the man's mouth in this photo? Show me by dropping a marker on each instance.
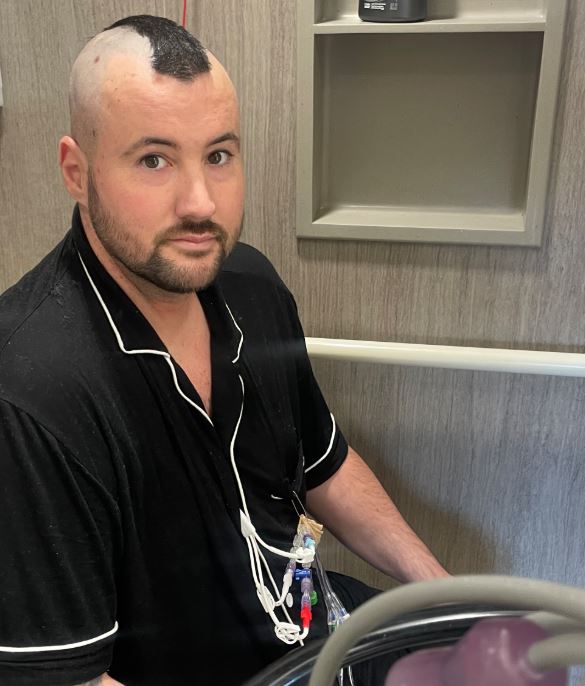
(194, 240)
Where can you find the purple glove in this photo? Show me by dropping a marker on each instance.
(492, 653)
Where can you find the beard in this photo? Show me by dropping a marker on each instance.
(152, 266)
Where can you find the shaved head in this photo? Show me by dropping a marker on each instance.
(154, 156)
(141, 44)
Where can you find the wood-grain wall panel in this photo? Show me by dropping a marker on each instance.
(256, 42)
(39, 39)
(479, 463)
(488, 468)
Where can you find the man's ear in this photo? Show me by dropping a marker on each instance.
(74, 168)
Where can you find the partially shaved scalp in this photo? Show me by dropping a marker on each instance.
(154, 43)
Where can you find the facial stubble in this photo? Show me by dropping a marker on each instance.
(154, 267)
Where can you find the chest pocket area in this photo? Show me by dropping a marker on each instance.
(269, 427)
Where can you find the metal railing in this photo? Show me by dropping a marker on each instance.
(450, 357)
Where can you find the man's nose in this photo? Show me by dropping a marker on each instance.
(194, 199)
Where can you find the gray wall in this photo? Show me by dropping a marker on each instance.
(487, 467)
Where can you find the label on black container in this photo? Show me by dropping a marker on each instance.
(391, 5)
(393, 10)
(375, 6)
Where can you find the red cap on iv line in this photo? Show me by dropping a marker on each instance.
(184, 22)
(306, 616)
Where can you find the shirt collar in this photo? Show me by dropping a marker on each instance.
(131, 328)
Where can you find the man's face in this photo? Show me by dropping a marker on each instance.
(165, 186)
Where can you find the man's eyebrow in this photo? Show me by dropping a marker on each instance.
(154, 140)
(230, 136)
(148, 140)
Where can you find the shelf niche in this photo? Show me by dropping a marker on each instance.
(433, 134)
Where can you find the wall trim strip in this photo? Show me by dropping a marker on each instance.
(450, 357)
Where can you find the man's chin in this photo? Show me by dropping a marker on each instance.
(195, 277)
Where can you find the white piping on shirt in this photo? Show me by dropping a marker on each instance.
(67, 646)
(160, 353)
(237, 357)
(281, 627)
(308, 469)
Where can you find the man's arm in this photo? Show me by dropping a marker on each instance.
(357, 510)
(63, 589)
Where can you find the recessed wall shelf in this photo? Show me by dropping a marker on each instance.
(437, 131)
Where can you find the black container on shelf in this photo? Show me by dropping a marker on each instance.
(393, 10)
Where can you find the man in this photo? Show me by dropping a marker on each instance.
(158, 413)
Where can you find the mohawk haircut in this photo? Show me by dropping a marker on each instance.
(175, 52)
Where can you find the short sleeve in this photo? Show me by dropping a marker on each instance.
(324, 446)
(57, 533)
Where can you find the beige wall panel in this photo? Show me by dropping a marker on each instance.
(39, 39)
(256, 40)
(487, 467)
(510, 297)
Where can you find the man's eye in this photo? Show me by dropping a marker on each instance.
(153, 162)
(219, 157)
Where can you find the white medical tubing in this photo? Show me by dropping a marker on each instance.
(500, 590)
(558, 652)
(286, 631)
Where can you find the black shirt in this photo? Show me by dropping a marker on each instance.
(120, 537)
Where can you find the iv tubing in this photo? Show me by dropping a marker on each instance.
(501, 590)
(558, 652)
(287, 632)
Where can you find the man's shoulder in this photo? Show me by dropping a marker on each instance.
(257, 295)
(249, 281)
(40, 328)
(250, 264)
(20, 302)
